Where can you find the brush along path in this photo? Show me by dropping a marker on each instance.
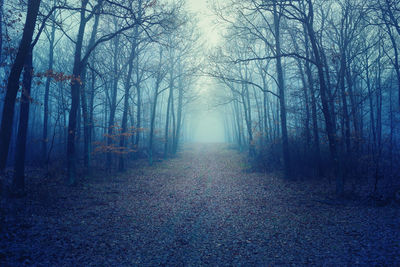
(200, 208)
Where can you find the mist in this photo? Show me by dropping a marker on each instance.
(208, 128)
(199, 132)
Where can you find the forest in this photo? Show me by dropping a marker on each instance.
(314, 86)
(98, 79)
(185, 117)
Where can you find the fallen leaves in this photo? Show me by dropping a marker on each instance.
(197, 209)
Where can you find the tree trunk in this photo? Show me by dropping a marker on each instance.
(13, 82)
(113, 106)
(46, 93)
(84, 105)
(1, 31)
(152, 119)
(166, 134)
(314, 115)
(396, 58)
(75, 93)
(153, 112)
(173, 123)
(85, 116)
(121, 165)
(247, 111)
(346, 118)
(238, 124)
(18, 183)
(179, 113)
(139, 104)
(91, 131)
(281, 89)
(330, 128)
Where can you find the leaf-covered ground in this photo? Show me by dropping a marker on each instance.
(201, 208)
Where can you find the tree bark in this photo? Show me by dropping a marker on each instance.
(281, 89)
(46, 93)
(13, 81)
(75, 93)
(113, 105)
(18, 183)
(330, 128)
(179, 113)
(84, 105)
(153, 111)
(166, 134)
(139, 107)
(1, 31)
(123, 137)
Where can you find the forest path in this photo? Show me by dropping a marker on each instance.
(198, 209)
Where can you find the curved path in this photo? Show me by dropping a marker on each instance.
(198, 209)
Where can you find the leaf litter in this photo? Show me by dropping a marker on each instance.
(198, 209)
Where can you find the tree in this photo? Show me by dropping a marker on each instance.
(47, 91)
(13, 81)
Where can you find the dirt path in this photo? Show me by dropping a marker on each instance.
(198, 209)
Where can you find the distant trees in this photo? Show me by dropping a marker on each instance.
(311, 85)
(329, 72)
(389, 13)
(90, 83)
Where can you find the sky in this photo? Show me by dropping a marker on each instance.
(207, 25)
(207, 122)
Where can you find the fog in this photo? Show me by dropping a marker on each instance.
(291, 101)
(140, 79)
(210, 30)
(208, 128)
